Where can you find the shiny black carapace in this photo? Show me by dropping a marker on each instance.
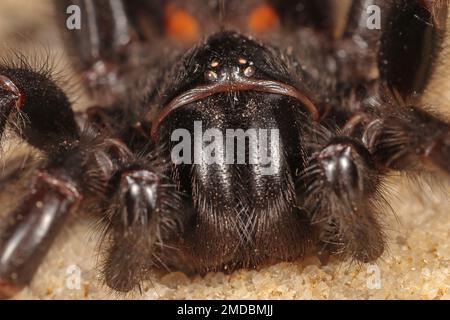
(330, 88)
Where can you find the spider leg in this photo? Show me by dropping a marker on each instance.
(331, 17)
(339, 190)
(80, 171)
(29, 230)
(408, 139)
(49, 125)
(36, 108)
(146, 214)
(110, 50)
(354, 36)
(368, 39)
(109, 46)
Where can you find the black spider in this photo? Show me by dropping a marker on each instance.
(340, 97)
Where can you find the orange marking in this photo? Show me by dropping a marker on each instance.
(180, 24)
(8, 290)
(262, 18)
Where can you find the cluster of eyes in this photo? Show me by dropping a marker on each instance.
(249, 71)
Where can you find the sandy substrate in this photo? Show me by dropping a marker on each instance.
(417, 264)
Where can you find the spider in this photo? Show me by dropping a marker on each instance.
(342, 98)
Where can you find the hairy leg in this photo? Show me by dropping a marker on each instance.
(145, 216)
(38, 110)
(35, 107)
(408, 138)
(339, 189)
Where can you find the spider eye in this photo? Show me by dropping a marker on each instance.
(180, 24)
(262, 18)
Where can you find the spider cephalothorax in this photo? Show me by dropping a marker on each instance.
(225, 134)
